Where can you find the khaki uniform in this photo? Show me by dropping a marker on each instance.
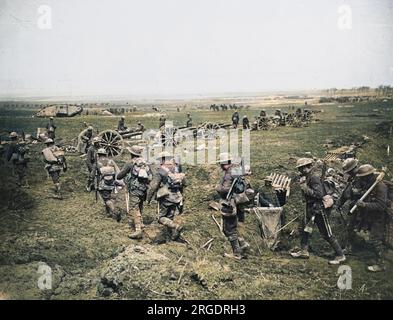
(231, 222)
(105, 171)
(313, 192)
(54, 162)
(137, 185)
(168, 184)
(374, 218)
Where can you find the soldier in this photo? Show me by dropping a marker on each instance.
(140, 127)
(55, 162)
(268, 196)
(51, 124)
(87, 136)
(189, 121)
(235, 120)
(314, 194)
(352, 193)
(255, 125)
(12, 150)
(137, 176)
(104, 172)
(232, 212)
(262, 113)
(91, 159)
(373, 213)
(161, 121)
(51, 133)
(17, 154)
(246, 123)
(121, 126)
(167, 184)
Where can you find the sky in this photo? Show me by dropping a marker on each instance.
(179, 47)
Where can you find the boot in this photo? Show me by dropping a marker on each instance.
(175, 229)
(235, 249)
(340, 257)
(89, 186)
(301, 254)
(244, 245)
(57, 191)
(138, 226)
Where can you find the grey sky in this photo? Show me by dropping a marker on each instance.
(164, 47)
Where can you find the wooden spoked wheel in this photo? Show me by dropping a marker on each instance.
(112, 142)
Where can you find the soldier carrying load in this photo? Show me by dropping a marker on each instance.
(55, 162)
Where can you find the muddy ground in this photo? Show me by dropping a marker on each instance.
(92, 258)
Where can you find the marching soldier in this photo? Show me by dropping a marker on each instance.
(137, 176)
(232, 212)
(167, 184)
(91, 159)
(235, 120)
(87, 136)
(161, 121)
(352, 193)
(189, 121)
(246, 123)
(104, 172)
(55, 162)
(17, 155)
(373, 213)
(316, 212)
(121, 126)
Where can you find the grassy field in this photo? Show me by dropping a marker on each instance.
(92, 258)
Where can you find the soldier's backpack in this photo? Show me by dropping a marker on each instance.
(107, 174)
(138, 177)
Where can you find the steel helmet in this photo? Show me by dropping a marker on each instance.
(365, 170)
(48, 141)
(350, 164)
(304, 162)
(90, 128)
(13, 134)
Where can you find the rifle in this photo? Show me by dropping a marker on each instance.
(378, 179)
(97, 174)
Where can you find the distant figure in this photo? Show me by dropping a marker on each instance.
(189, 121)
(51, 124)
(121, 126)
(235, 120)
(246, 123)
(161, 122)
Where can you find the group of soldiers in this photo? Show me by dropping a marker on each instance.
(365, 192)
(162, 121)
(369, 210)
(121, 127)
(166, 184)
(264, 122)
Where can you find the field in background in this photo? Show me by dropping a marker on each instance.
(92, 257)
